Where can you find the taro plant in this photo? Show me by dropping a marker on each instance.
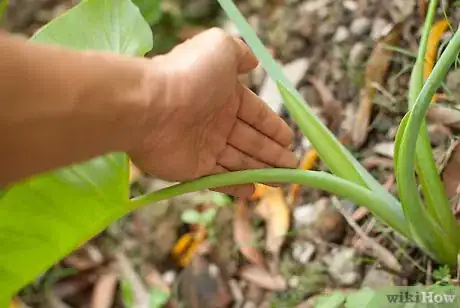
(46, 217)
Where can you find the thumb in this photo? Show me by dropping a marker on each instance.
(247, 61)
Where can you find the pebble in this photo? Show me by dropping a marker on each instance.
(341, 35)
(360, 26)
(350, 5)
(169, 277)
(302, 252)
(304, 215)
(343, 266)
(376, 278)
(357, 54)
(294, 71)
(386, 149)
(379, 28)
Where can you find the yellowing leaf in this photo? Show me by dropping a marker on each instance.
(261, 189)
(275, 211)
(434, 39)
(187, 246)
(376, 69)
(308, 162)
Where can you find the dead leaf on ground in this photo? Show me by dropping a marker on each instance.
(155, 280)
(434, 38)
(260, 190)
(308, 162)
(451, 174)
(244, 234)
(376, 69)
(422, 8)
(85, 258)
(449, 117)
(104, 291)
(134, 173)
(332, 108)
(262, 278)
(72, 285)
(274, 210)
(368, 245)
(202, 286)
(188, 245)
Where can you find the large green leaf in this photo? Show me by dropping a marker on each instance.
(150, 9)
(3, 7)
(46, 217)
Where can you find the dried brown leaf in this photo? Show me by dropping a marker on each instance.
(202, 286)
(376, 69)
(244, 234)
(451, 174)
(332, 108)
(443, 115)
(104, 291)
(262, 278)
(368, 245)
(274, 210)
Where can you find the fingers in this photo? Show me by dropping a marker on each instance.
(234, 160)
(240, 191)
(256, 113)
(261, 147)
(247, 61)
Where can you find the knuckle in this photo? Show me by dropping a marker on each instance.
(218, 34)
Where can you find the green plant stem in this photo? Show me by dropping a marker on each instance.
(315, 179)
(430, 232)
(328, 147)
(338, 159)
(433, 190)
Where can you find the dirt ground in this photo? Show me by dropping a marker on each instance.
(351, 60)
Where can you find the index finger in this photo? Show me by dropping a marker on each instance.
(261, 117)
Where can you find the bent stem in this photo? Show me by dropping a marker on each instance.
(315, 179)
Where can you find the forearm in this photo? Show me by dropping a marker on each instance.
(59, 107)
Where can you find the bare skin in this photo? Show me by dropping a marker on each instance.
(179, 116)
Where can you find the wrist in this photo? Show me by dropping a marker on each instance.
(129, 92)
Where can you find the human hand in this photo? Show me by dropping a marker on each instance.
(204, 120)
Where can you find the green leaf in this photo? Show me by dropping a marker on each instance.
(150, 9)
(360, 298)
(109, 25)
(207, 217)
(216, 198)
(127, 295)
(46, 217)
(191, 217)
(158, 298)
(424, 227)
(333, 300)
(3, 7)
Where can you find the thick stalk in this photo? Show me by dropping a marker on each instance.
(320, 180)
(406, 180)
(436, 199)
